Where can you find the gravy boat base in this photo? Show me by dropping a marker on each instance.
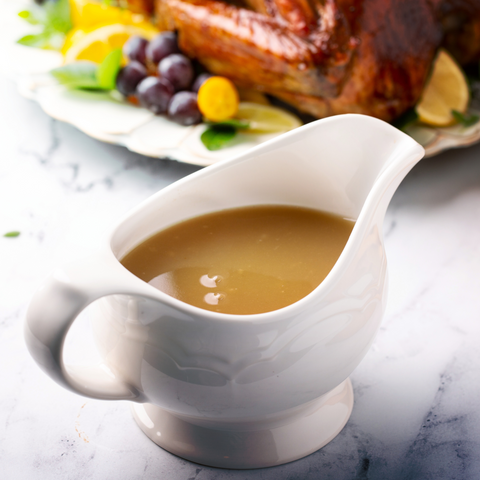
(280, 439)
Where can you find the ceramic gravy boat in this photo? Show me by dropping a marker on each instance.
(238, 391)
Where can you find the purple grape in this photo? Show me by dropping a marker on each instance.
(134, 49)
(161, 46)
(183, 108)
(129, 77)
(200, 80)
(155, 94)
(178, 70)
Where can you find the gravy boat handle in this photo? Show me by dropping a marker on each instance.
(53, 310)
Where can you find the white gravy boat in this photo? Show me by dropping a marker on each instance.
(230, 390)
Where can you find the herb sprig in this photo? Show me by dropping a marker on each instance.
(88, 75)
(467, 120)
(11, 234)
(217, 135)
(406, 119)
(53, 21)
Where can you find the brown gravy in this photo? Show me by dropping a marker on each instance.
(242, 261)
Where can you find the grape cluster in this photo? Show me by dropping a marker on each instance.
(161, 78)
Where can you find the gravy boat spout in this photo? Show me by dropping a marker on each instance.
(239, 391)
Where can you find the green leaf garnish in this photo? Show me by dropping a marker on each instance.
(58, 15)
(81, 74)
(465, 120)
(108, 70)
(409, 117)
(53, 18)
(40, 40)
(89, 75)
(31, 17)
(232, 122)
(216, 136)
(12, 234)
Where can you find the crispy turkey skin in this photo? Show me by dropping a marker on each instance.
(326, 57)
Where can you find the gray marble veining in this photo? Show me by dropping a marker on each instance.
(416, 413)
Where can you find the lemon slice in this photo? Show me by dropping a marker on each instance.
(95, 44)
(73, 36)
(87, 13)
(446, 90)
(266, 119)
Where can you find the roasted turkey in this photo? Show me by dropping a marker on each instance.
(325, 57)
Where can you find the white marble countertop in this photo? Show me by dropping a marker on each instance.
(417, 392)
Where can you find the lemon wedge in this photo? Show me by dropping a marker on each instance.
(266, 119)
(96, 43)
(446, 90)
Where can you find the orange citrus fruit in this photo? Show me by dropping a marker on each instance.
(218, 99)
